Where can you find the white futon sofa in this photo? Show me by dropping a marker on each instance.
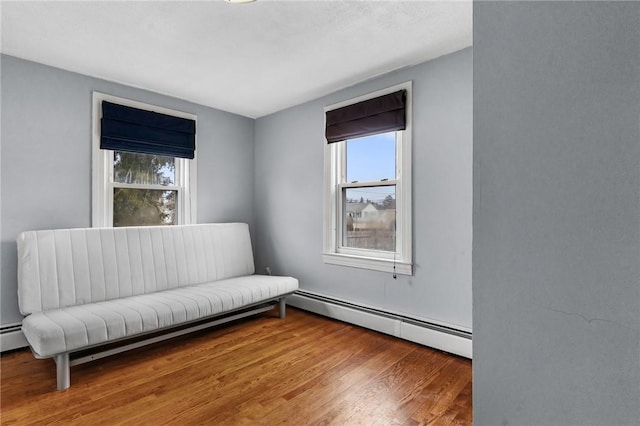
(81, 289)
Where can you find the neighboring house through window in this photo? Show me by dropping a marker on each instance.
(367, 200)
(143, 164)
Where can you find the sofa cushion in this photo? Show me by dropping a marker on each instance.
(75, 327)
(66, 267)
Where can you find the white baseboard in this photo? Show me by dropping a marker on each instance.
(453, 341)
(11, 337)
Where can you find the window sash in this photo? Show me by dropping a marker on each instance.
(340, 247)
(176, 211)
(179, 186)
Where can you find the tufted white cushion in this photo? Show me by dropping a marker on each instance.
(74, 327)
(68, 267)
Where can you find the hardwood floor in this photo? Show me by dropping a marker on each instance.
(303, 370)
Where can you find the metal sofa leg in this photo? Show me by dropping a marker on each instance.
(62, 371)
(283, 308)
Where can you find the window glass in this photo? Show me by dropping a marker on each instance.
(369, 218)
(143, 169)
(372, 158)
(142, 207)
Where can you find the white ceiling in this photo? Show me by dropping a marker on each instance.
(250, 59)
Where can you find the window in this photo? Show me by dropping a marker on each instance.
(367, 200)
(139, 183)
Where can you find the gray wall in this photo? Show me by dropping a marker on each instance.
(556, 241)
(46, 158)
(289, 194)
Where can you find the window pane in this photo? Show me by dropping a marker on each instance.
(372, 158)
(369, 218)
(137, 207)
(143, 169)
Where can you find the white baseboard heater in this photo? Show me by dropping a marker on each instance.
(436, 336)
(11, 337)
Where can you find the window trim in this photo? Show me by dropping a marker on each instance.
(102, 169)
(402, 261)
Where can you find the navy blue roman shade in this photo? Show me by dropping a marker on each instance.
(130, 129)
(385, 113)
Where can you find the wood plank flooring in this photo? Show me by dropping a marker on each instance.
(303, 370)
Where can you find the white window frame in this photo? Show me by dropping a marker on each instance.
(400, 262)
(102, 169)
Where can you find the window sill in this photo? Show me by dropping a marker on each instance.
(371, 263)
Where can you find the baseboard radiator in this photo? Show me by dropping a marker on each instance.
(11, 337)
(436, 336)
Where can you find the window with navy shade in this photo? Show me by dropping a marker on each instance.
(143, 164)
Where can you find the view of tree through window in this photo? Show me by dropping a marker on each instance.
(138, 196)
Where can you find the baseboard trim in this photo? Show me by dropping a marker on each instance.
(436, 336)
(11, 338)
